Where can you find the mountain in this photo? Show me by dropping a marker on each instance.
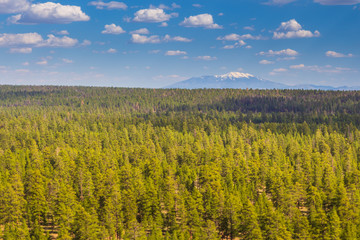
(244, 80)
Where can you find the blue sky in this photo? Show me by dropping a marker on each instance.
(157, 43)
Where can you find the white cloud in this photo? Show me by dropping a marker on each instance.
(113, 29)
(13, 6)
(163, 6)
(236, 45)
(250, 28)
(266, 62)
(292, 29)
(175, 53)
(68, 61)
(35, 40)
(151, 15)
(197, 5)
(141, 39)
(337, 2)
(141, 31)
(20, 39)
(337, 55)
(137, 38)
(206, 58)
(201, 20)
(228, 47)
(110, 5)
(53, 41)
(42, 62)
(167, 38)
(174, 5)
(63, 32)
(297, 34)
(164, 24)
(299, 66)
(321, 69)
(278, 70)
(230, 37)
(285, 52)
(278, 2)
(111, 50)
(237, 37)
(50, 12)
(21, 50)
(85, 43)
(291, 25)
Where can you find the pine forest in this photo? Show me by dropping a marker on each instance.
(90, 163)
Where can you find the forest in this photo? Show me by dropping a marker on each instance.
(92, 163)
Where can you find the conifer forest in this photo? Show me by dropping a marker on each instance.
(90, 163)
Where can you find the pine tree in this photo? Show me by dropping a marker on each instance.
(249, 227)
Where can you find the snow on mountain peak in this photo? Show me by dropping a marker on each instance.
(234, 75)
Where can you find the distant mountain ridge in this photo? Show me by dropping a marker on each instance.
(243, 81)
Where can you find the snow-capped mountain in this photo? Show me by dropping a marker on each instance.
(229, 80)
(243, 81)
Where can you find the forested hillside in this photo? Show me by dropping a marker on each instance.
(115, 163)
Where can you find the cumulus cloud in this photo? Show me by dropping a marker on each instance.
(175, 53)
(53, 41)
(50, 12)
(292, 29)
(144, 31)
(202, 20)
(206, 58)
(152, 15)
(21, 50)
(168, 38)
(20, 39)
(337, 2)
(285, 52)
(35, 40)
(110, 5)
(235, 45)
(337, 55)
(237, 37)
(141, 39)
(112, 29)
(137, 38)
(13, 6)
(266, 62)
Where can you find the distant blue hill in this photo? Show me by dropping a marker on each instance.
(243, 81)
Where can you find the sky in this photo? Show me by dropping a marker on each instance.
(155, 43)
